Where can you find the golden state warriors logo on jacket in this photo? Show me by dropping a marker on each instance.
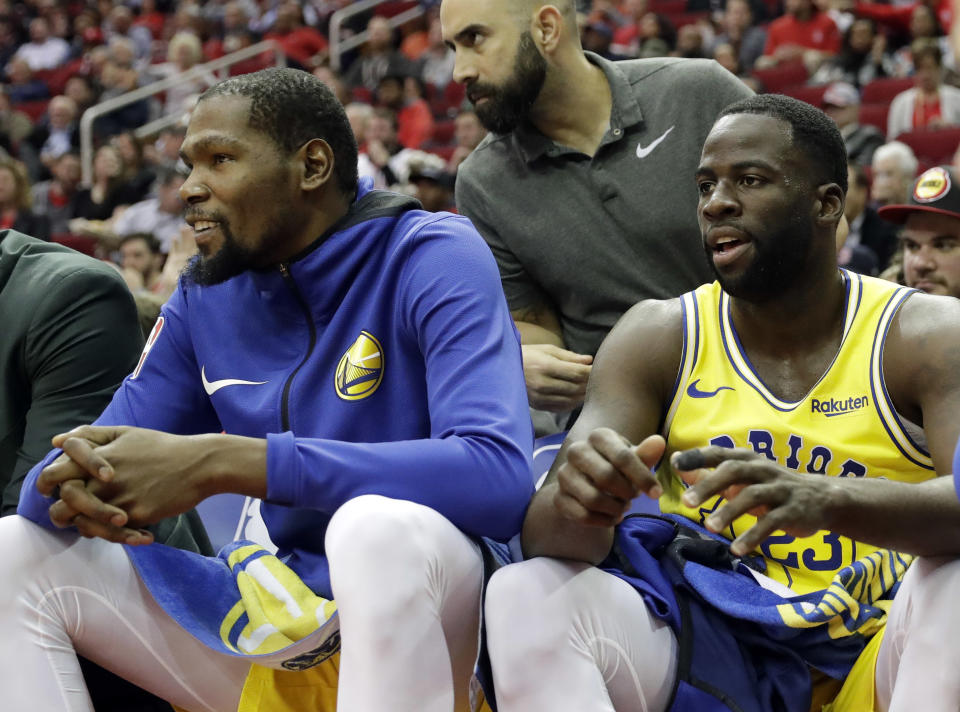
(360, 370)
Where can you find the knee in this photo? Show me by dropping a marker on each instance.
(371, 527)
(19, 539)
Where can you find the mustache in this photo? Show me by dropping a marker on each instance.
(193, 215)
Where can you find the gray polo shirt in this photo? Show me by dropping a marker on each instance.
(592, 236)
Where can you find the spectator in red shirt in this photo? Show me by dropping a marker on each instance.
(304, 45)
(414, 121)
(801, 29)
(930, 104)
(897, 17)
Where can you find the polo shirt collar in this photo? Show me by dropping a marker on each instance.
(625, 112)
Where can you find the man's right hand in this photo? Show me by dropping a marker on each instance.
(556, 378)
(603, 474)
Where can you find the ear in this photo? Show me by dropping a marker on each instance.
(547, 28)
(830, 199)
(318, 164)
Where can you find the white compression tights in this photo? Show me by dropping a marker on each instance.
(568, 636)
(407, 583)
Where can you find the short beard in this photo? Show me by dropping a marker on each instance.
(509, 105)
(229, 261)
(781, 260)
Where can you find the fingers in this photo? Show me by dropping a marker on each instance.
(121, 535)
(726, 480)
(711, 456)
(76, 499)
(79, 461)
(623, 456)
(755, 499)
(96, 434)
(579, 499)
(570, 356)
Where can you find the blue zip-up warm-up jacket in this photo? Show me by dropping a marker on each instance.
(382, 360)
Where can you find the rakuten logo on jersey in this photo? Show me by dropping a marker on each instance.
(832, 407)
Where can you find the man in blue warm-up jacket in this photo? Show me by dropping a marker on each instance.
(335, 351)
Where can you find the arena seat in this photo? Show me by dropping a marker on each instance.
(883, 90)
(875, 115)
(933, 146)
(33, 109)
(443, 132)
(668, 7)
(775, 79)
(804, 92)
(81, 243)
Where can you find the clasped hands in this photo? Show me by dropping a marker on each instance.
(602, 474)
(110, 481)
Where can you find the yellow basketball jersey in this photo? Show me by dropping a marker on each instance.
(845, 426)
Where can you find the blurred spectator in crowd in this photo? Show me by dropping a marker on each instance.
(160, 215)
(358, 113)
(863, 57)
(416, 37)
(931, 232)
(379, 146)
(626, 32)
(183, 53)
(151, 17)
(597, 37)
(802, 33)
(56, 133)
(55, 198)
(923, 25)
(141, 261)
(894, 167)
(468, 132)
(726, 56)
(138, 177)
(233, 17)
(930, 103)
(329, 77)
(119, 24)
(433, 187)
(657, 36)
(737, 29)
(14, 125)
(855, 258)
(43, 51)
(304, 45)
(866, 227)
(16, 211)
(414, 120)
(899, 16)
(107, 190)
(841, 102)
(118, 78)
(378, 57)
(79, 88)
(436, 62)
(21, 84)
(165, 150)
(690, 43)
(10, 41)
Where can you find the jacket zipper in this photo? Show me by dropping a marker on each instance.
(285, 399)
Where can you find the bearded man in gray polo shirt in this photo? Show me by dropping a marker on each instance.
(582, 189)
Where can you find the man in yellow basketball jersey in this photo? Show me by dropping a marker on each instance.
(777, 415)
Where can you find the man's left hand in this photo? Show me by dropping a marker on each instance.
(152, 475)
(781, 499)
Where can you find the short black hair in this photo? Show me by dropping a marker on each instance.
(812, 131)
(153, 244)
(292, 107)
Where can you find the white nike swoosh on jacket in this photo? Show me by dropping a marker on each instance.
(644, 152)
(212, 387)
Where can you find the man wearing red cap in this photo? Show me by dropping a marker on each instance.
(931, 232)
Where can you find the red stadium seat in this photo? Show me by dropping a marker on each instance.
(669, 7)
(784, 75)
(445, 152)
(33, 109)
(688, 18)
(389, 9)
(875, 115)
(883, 90)
(443, 132)
(804, 92)
(81, 243)
(935, 146)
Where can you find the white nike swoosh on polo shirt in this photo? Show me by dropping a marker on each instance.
(644, 152)
(212, 387)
